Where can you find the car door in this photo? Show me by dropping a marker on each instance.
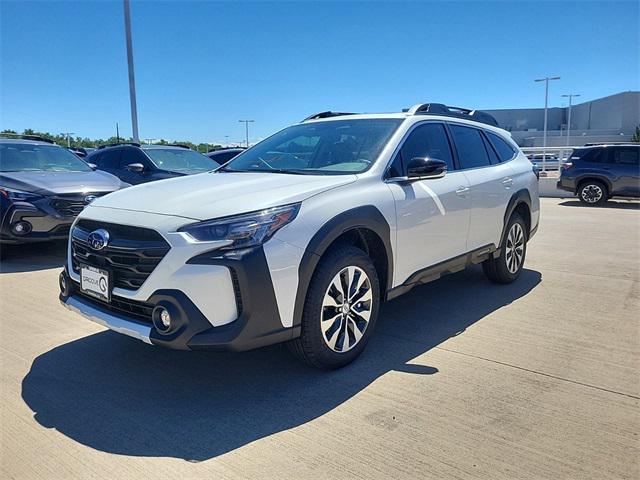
(624, 163)
(432, 215)
(491, 185)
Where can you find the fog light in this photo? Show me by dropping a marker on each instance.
(162, 319)
(21, 228)
(165, 318)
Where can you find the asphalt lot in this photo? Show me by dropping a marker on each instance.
(463, 379)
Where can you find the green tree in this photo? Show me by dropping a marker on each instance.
(636, 136)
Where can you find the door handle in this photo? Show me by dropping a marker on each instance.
(462, 191)
(507, 182)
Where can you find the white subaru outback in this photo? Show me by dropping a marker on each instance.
(301, 237)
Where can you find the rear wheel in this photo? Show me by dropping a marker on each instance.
(593, 193)
(507, 267)
(340, 311)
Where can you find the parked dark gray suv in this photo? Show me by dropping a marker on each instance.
(597, 173)
(42, 188)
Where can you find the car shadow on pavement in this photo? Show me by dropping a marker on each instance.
(623, 204)
(33, 257)
(118, 395)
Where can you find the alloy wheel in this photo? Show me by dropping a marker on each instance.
(592, 193)
(346, 309)
(514, 248)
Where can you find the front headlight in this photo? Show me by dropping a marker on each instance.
(18, 195)
(246, 230)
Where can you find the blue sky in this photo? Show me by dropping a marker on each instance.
(201, 66)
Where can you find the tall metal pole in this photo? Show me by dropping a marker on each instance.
(546, 102)
(246, 128)
(570, 96)
(132, 79)
(68, 134)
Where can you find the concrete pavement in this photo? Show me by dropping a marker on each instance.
(463, 379)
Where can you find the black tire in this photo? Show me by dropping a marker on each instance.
(311, 347)
(500, 270)
(593, 193)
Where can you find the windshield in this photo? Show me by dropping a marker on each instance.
(24, 157)
(321, 148)
(180, 160)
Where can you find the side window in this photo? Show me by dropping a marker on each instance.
(224, 157)
(505, 151)
(132, 155)
(597, 155)
(493, 156)
(470, 147)
(626, 156)
(110, 159)
(427, 140)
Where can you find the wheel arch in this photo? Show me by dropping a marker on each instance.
(519, 202)
(364, 227)
(594, 177)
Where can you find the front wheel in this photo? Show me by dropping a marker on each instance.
(340, 311)
(507, 267)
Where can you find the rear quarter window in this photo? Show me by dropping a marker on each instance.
(505, 151)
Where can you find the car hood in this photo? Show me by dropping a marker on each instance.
(47, 183)
(213, 195)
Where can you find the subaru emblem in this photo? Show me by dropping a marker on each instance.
(98, 239)
(89, 198)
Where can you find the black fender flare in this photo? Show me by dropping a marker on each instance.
(520, 197)
(366, 216)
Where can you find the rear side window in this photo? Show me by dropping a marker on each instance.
(427, 140)
(504, 150)
(626, 156)
(470, 146)
(110, 159)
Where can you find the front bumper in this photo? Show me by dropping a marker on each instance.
(45, 225)
(257, 324)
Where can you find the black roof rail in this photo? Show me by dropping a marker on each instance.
(626, 144)
(20, 136)
(449, 111)
(135, 144)
(181, 145)
(327, 114)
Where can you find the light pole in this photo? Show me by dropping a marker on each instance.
(68, 134)
(546, 101)
(246, 129)
(132, 79)
(570, 97)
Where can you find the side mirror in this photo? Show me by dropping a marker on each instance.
(92, 166)
(135, 167)
(421, 168)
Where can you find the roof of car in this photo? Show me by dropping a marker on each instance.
(26, 142)
(409, 116)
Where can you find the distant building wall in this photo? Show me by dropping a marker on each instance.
(608, 119)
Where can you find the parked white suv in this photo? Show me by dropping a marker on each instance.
(300, 238)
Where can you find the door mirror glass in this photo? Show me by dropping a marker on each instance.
(425, 167)
(92, 166)
(135, 167)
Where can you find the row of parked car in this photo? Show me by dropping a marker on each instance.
(44, 186)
